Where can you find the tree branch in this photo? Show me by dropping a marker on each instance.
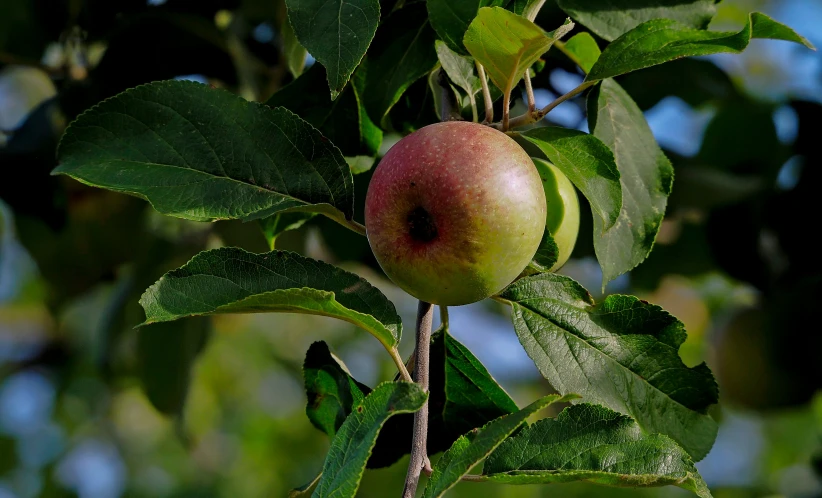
(419, 452)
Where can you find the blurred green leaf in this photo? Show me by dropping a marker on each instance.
(663, 40)
(166, 354)
(20, 33)
(471, 448)
(451, 19)
(583, 49)
(621, 352)
(645, 173)
(588, 163)
(205, 154)
(592, 443)
(332, 392)
(507, 44)
(695, 81)
(336, 33)
(742, 138)
(293, 52)
(352, 445)
(231, 280)
(360, 164)
(402, 52)
(275, 225)
(610, 20)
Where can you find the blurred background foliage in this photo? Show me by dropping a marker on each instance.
(214, 407)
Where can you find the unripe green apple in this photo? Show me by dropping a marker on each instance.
(454, 212)
(562, 220)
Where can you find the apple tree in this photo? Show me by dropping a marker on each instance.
(484, 205)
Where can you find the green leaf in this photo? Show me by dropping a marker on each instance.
(332, 392)
(460, 70)
(343, 121)
(402, 52)
(645, 173)
(463, 396)
(352, 445)
(507, 44)
(275, 225)
(610, 19)
(588, 163)
(451, 19)
(231, 280)
(547, 253)
(469, 449)
(437, 94)
(204, 154)
(583, 50)
(293, 53)
(622, 352)
(166, 354)
(663, 40)
(472, 396)
(592, 443)
(336, 33)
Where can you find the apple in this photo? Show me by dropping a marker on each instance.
(562, 220)
(454, 212)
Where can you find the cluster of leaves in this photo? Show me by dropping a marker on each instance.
(204, 154)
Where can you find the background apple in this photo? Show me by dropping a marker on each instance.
(454, 212)
(562, 220)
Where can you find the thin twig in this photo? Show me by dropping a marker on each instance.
(425, 316)
(529, 91)
(573, 93)
(486, 94)
(533, 117)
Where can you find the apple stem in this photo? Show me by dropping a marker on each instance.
(529, 91)
(419, 452)
(486, 95)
